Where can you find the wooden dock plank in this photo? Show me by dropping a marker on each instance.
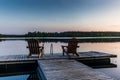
(82, 56)
(69, 70)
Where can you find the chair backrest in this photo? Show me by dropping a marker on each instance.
(72, 45)
(33, 46)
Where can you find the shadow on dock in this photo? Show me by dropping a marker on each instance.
(101, 63)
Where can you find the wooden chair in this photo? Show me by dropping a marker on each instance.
(34, 48)
(71, 48)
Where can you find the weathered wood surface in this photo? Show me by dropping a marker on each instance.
(82, 56)
(69, 70)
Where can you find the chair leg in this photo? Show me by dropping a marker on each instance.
(77, 54)
(40, 55)
(63, 53)
(29, 55)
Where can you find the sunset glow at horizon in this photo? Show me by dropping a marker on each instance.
(22, 16)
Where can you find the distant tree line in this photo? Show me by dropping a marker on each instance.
(66, 34)
(73, 34)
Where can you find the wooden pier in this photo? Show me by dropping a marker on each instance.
(59, 67)
(69, 70)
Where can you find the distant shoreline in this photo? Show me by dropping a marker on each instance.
(65, 39)
(65, 34)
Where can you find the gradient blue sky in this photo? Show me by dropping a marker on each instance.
(21, 16)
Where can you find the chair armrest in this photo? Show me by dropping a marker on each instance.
(41, 47)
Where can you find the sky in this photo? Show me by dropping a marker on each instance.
(22, 16)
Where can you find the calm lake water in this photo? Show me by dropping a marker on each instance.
(18, 47)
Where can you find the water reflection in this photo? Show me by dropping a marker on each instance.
(13, 47)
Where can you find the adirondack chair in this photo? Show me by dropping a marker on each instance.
(34, 48)
(71, 48)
